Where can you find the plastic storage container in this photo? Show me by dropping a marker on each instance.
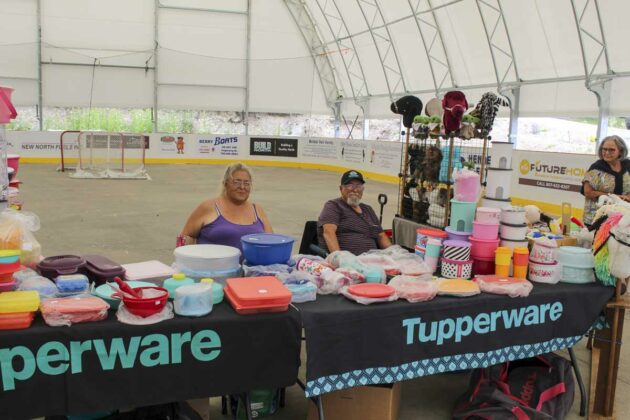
(8, 286)
(487, 215)
(483, 266)
(19, 301)
(512, 232)
(16, 320)
(543, 251)
(456, 235)
(467, 185)
(456, 269)
(434, 247)
(59, 265)
(146, 306)
(456, 250)
(544, 273)
(501, 154)
(72, 284)
(423, 235)
(253, 295)
(193, 300)
(576, 265)
(105, 292)
(217, 290)
(520, 262)
(498, 183)
(101, 269)
(513, 244)
(495, 202)
(483, 248)
(152, 271)
(503, 256)
(483, 230)
(462, 215)
(513, 215)
(207, 257)
(178, 280)
(266, 248)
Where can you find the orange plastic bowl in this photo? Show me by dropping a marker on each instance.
(146, 307)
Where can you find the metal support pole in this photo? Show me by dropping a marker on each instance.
(514, 96)
(337, 110)
(247, 64)
(40, 89)
(156, 13)
(602, 92)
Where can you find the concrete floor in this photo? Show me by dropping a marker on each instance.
(132, 220)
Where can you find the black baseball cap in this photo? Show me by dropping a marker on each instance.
(351, 176)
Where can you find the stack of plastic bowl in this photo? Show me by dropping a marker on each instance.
(513, 229)
(219, 262)
(485, 240)
(576, 265)
(456, 262)
(9, 264)
(499, 176)
(543, 267)
(429, 245)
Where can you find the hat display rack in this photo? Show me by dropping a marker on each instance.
(445, 138)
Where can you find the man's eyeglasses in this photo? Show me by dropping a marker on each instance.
(356, 187)
(607, 150)
(237, 183)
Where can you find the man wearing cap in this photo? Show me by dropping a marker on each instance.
(347, 224)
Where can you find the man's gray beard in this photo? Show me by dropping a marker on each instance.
(353, 202)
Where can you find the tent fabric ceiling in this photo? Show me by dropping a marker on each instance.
(104, 53)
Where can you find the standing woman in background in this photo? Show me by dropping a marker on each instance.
(608, 175)
(223, 220)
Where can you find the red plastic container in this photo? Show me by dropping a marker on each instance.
(13, 161)
(53, 267)
(101, 269)
(253, 295)
(16, 320)
(7, 286)
(146, 307)
(482, 266)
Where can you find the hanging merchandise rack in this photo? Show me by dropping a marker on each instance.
(7, 113)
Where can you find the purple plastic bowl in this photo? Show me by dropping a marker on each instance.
(456, 235)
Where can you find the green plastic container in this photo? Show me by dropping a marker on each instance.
(462, 215)
(178, 280)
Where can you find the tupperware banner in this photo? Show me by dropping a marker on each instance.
(106, 365)
(350, 344)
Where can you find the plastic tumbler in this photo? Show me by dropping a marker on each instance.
(521, 258)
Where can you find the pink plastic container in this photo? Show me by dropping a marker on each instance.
(467, 186)
(487, 215)
(483, 248)
(13, 161)
(483, 230)
(7, 110)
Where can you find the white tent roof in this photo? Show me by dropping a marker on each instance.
(304, 55)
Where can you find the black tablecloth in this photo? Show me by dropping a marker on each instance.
(349, 344)
(106, 365)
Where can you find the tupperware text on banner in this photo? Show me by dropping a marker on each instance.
(20, 363)
(485, 322)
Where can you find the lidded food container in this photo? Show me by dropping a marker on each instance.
(266, 248)
(576, 264)
(151, 271)
(252, 295)
(207, 257)
(16, 320)
(543, 251)
(178, 280)
(217, 290)
(59, 265)
(193, 299)
(514, 215)
(101, 269)
(19, 301)
(72, 284)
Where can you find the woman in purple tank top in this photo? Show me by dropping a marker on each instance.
(225, 219)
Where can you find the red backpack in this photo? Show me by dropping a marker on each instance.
(541, 387)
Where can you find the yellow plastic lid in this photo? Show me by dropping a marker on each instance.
(179, 276)
(504, 250)
(521, 250)
(19, 301)
(9, 252)
(206, 281)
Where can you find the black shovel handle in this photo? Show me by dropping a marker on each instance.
(382, 200)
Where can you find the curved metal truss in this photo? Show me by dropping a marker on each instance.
(311, 34)
(384, 44)
(345, 47)
(433, 43)
(499, 42)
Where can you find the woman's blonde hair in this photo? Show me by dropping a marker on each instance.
(229, 172)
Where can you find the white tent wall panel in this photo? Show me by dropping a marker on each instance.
(558, 100)
(112, 24)
(18, 35)
(352, 15)
(617, 32)
(372, 68)
(18, 60)
(180, 68)
(465, 42)
(25, 93)
(52, 54)
(619, 98)
(274, 34)
(201, 98)
(226, 5)
(68, 86)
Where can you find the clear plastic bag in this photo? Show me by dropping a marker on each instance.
(127, 317)
(467, 185)
(300, 293)
(16, 232)
(352, 274)
(297, 257)
(386, 262)
(332, 282)
(298, 277)
(414, 289)
(265, 270)
(515, 288)
(45, 287)
(342, 259)
(413, 265)
(65, 311)
(365, 300)
(20, 276)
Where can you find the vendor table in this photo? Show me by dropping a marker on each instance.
(105, 365)
(349, 344)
